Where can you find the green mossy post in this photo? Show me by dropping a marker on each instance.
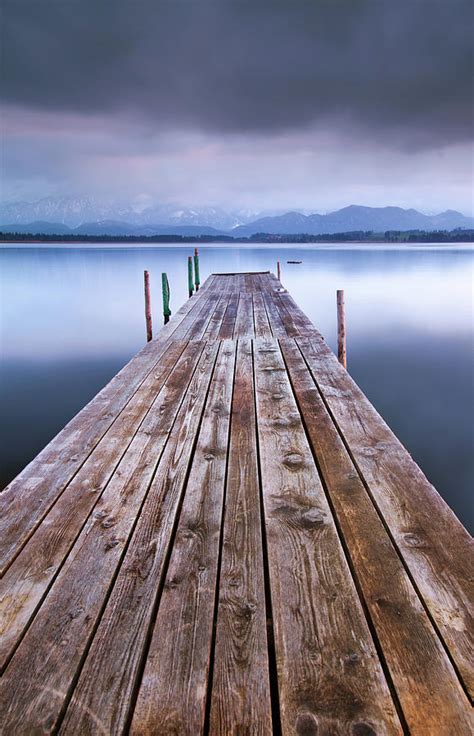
(165, 287)
(197, 281)
(190, 276)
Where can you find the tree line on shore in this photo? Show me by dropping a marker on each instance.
(459, 235)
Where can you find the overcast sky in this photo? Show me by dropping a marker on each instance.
(268, 105)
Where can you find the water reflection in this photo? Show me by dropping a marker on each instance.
(71, 317)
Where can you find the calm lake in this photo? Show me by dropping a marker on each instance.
(70, 317)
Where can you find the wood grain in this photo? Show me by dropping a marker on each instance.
(240, 689)
(227, 327)
(29, 577)
(64, 625)
(174, 684)
(435, 547)
(430, 695)
(127, 619)
(329, 675)
(244, 326)
(262, 325)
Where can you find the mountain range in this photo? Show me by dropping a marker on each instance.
(89, 216)
(77, 211)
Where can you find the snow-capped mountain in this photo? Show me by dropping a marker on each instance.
(75, 211)
(88, 215)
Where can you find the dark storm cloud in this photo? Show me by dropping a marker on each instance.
(401, 70)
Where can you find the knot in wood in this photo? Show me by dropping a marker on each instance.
(292, 420)
(413, 540)
(248, 609)
(107, 523)
(363, 729)
(352, 658)
(312, 518)
(111, 544)
(306, 725)
(293, 461)
(369, 451)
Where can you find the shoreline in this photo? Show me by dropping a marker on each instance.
(111, 244)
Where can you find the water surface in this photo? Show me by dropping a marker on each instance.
(71, 317)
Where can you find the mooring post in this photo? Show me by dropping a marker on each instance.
(278, 271)
(165, 288)
(149, 327)
(197, 281)
(341, 329)
(190, 276)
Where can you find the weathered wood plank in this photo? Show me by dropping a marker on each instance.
(301, 323)
(276, 324)
(436, 548)
(174, 684)
(427, 687)
(215, 323)
(227, 327)
(28, 578)
(330, 679)
(240, 689)
(48, 658)
(202, 319)
(107, 683)
(244, 326)
(260, 317)
(24, 503)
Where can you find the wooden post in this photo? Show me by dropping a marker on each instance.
(190, 276)
(341, 329)
(165, 288)
(197, 281)
(278, 271)
(149, 327)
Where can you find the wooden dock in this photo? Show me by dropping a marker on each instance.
(230, 540)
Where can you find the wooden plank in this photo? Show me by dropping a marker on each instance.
(240, 689)
(174, 684)
(202, 320)
(227, 327)
(427, 686)
(107, 683)
(276, 324)
(329, 675)
(244, 326)
(28, 578)
(48, 658)
(286, 317)
(262, 325)
(435, 547)
(300, 321)
(24, 503)
(296, 323)
(215, 323)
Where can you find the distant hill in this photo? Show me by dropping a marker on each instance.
(349, 219)
(355, 217)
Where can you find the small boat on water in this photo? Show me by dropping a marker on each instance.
(294, 261)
